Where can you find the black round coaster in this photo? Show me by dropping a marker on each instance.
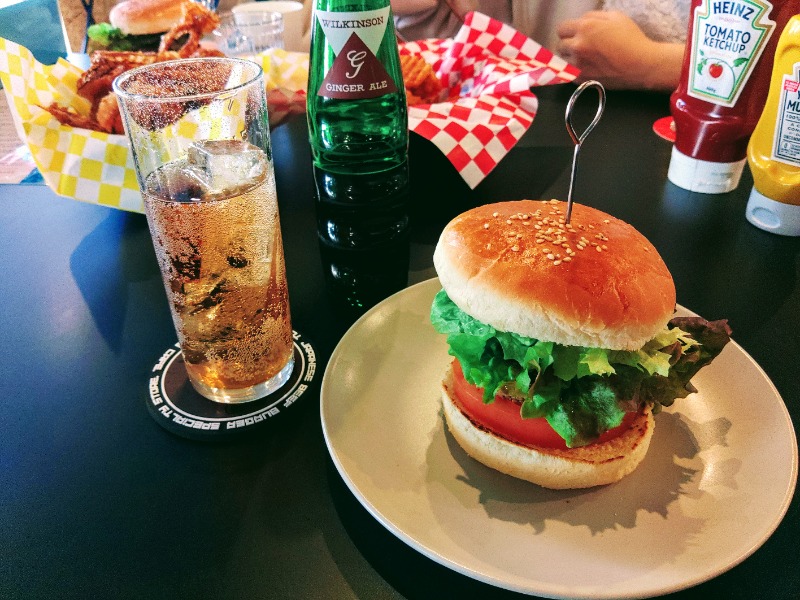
(180, 409)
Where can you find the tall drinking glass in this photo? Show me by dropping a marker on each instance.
(199, 132)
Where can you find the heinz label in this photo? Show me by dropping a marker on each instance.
(355, 38)
(786, 142)
(728, 38)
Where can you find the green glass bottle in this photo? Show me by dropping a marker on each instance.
(357, 114)
(358, 130)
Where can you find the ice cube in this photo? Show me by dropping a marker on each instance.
(229, 165)
(178, 181)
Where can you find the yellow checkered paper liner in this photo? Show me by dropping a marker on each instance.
(97, 167)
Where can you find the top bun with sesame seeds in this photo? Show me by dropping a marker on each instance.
(517, 266)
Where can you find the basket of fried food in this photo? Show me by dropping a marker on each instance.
(181, 41)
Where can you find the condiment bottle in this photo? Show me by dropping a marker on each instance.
(724, 83)
(358, 128)
(774, 149)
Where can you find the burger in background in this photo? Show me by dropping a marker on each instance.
(136, 25)
(564, 341)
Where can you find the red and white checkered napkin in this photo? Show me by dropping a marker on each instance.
(489, 68)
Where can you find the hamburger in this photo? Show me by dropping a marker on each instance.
(136, 25)
(564, 341)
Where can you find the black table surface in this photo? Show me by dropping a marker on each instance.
(99, 501)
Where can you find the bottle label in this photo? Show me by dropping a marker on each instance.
(786, 142)
(355, 38)
(728, 38)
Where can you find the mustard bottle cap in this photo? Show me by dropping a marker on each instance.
(773, 216)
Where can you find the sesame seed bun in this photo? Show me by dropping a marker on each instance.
(517, 267)
(140, 17)
(587, 466)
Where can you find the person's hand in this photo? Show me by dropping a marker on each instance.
(610, 47)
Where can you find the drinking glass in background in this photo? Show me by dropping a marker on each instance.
(294, 20)
(236, 36)
(199, 132)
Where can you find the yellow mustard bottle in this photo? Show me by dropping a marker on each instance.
(773, 152)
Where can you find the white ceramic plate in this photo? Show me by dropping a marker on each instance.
(717, 480)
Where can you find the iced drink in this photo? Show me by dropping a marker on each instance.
(214, 221)
(199, 133)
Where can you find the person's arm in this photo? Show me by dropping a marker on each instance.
(410, 7)
(610, 47)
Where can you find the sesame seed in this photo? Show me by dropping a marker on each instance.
(581, 247)
(599, 249)
(556, 262)
(606, 221)
(519, 236)
(539, 241)
(550, 256)
(553, 201)
(567, 258)
(526, 223)
(605, 247)
(515, 248)
(495, 214)
(508, 221)
(486, 226)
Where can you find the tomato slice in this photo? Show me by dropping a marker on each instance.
(502, 417)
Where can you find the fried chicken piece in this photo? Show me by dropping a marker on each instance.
(69, 117)
(108, 115)
(95, 82)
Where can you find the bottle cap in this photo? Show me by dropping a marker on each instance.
(704, 176)
(773, 216)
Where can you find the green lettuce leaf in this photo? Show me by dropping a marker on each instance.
(112, 38)
(582, 392)
(590, 407)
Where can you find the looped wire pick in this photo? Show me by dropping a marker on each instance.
(579, 140)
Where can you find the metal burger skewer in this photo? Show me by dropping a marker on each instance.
(578, 140)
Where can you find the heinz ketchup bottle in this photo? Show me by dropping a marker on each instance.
(726, 71)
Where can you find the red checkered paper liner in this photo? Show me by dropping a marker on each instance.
(488, 69)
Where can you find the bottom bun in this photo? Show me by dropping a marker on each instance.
(587, 466)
